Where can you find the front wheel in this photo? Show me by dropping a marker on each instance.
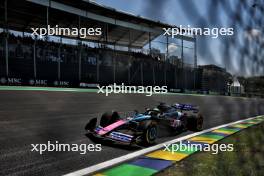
(150, 135)
(109, 118)
(91, 125)
(105, 119)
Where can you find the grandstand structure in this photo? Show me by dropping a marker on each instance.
(213, 78)
(122, 54)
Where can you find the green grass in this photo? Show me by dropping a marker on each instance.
(31, 88)
(246, 159)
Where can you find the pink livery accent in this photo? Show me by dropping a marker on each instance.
(111, 127)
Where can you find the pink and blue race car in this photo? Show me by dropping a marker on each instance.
(144, 128)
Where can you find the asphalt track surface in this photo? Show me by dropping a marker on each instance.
(35, 117)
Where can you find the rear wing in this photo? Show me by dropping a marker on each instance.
(186, 107)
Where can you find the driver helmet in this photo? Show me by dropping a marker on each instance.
(155, 111)
(163, 107)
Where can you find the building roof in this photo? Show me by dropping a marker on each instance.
(212, 67)
(122, 28)
(236, 83)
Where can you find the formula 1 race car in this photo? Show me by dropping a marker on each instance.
(143, 128)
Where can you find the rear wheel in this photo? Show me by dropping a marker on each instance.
(199, 123)
(195, 122)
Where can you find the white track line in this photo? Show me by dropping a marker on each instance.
(115, 161)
